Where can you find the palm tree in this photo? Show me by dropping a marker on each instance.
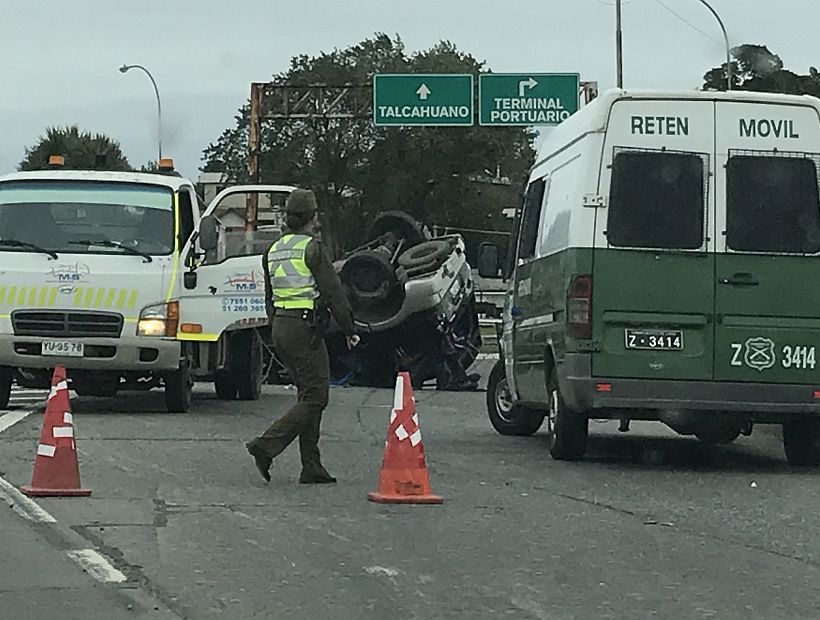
(82, 151)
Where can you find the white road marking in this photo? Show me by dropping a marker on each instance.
(10, 419)
(22, 505)
(97, 565)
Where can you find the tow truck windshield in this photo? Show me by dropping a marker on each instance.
(52, 216)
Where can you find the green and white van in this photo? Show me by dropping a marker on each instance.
(666, 266)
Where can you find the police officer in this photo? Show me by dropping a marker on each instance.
(300, 282)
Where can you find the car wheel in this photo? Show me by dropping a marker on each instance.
(248, 373)
(800, 441)
(224, 385)
(425, 254)
(179, 387)
(506, 417)
(567, 430)
(718, 434)
(6, 381)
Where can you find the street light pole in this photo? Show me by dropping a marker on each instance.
(126, 68)
(726, 40)
(618, 44)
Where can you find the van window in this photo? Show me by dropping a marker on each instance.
(657, 200)
(530, 219)
(772, 204)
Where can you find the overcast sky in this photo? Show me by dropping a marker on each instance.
(59, 58)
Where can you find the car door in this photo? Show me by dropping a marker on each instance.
(229, 292)
(767, 301)
(653, 261)
(528, 326)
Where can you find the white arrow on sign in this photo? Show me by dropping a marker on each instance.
(529, 83)
(423, 92)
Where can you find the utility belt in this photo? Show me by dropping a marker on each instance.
(305, 314)
(317, 318)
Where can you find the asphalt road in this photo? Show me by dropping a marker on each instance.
(650, 525)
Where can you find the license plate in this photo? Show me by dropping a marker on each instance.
(65, 348)
(654, 339)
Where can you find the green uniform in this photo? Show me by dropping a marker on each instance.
(299, 279)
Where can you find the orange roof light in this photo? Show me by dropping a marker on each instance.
(166, 163)
(56, 161)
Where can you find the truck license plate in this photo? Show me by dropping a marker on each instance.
(654, 339)
(65, 348)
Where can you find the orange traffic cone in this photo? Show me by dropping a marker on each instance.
(56, 471)
(404, 478)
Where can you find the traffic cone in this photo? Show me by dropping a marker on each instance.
(56, 470)
(404, 478)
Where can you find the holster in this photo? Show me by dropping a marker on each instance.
(320, 321)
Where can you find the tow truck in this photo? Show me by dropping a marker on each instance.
(93, 277)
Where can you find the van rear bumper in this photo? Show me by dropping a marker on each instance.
(580, 392)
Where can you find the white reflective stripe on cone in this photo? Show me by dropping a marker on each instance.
(62, 385)
(68, 418)
(45, 450)
(63, 431)
(399, 393)
(401, 433)
(415, 438)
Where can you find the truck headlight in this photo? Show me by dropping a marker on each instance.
(159, 320)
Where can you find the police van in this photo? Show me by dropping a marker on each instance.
(665, 266)
(98, 273)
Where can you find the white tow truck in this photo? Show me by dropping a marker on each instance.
(107, 273)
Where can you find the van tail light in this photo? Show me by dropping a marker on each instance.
(579, 307)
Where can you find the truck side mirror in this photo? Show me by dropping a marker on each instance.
(208, 235)
(488, 260)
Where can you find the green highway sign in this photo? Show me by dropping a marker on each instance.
(420, 99)
(527, 98)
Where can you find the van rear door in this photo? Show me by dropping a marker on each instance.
(768, 243)
(653, 274)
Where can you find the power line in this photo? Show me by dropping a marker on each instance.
(687, 22)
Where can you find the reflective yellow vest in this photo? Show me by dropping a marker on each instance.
(292, 282)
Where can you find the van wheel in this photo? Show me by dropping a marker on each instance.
(179, 387)
(248, 366)
(224, 385)
(6, 381)
(506, 417)
(567, 430)
(800, 440)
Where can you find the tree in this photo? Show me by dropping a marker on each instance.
(82, 151)
(358, 169)
(756, 68)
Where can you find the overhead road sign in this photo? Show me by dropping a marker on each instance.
(527, 98)
(421, 99)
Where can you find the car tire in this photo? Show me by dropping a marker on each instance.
(225, 385)
(720, 435)
(248, 367)
(179, 387)
(6, 381)
(433, 252)
(567, 430)
(800, 441)
(506, 417)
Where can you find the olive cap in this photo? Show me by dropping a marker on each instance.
(301, 202)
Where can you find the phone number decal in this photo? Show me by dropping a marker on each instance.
(243, 304)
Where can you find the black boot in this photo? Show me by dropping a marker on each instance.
(315, 475)
(262, 460)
